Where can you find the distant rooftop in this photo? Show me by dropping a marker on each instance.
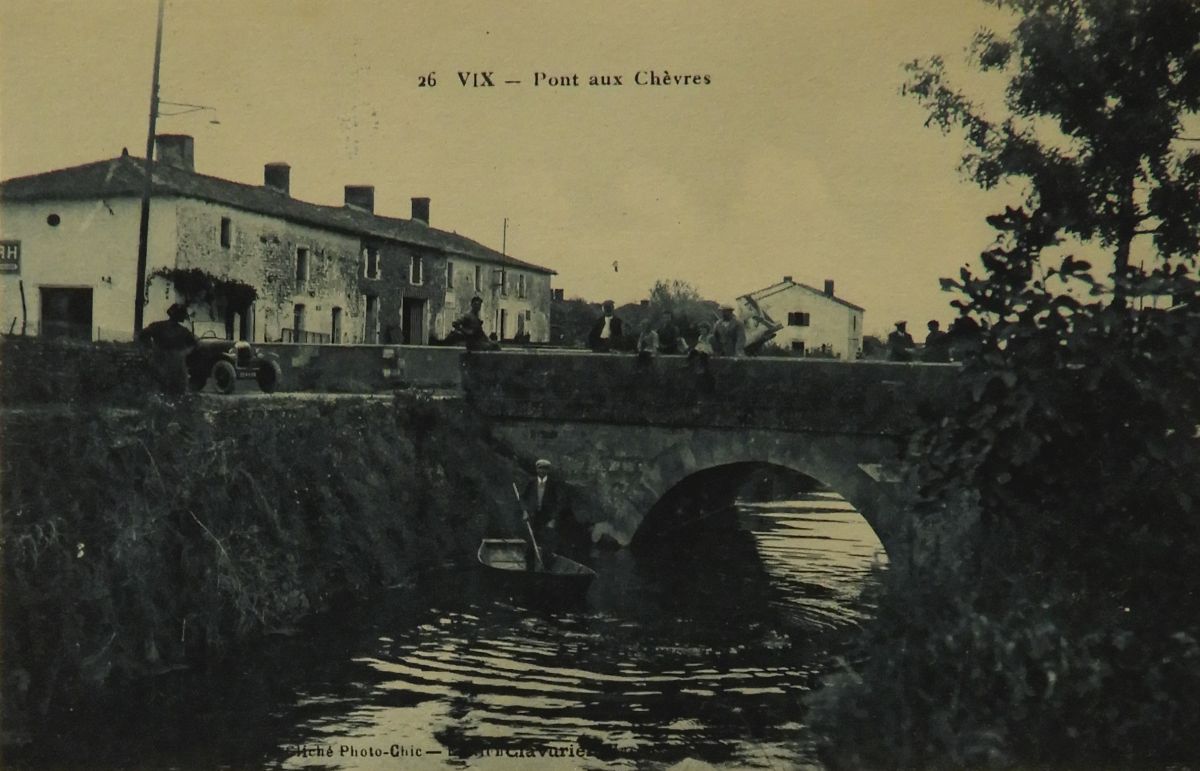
(788, 283)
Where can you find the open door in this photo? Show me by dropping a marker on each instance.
(412, 321)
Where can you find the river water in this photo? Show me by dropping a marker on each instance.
(703, 651)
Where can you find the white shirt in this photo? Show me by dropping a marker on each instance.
(604, 333)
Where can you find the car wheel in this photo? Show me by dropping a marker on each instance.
(268, 376)
(224, 377)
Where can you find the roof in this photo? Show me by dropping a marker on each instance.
(783, 286)
(125, 176)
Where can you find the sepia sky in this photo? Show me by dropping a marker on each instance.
(799, 158)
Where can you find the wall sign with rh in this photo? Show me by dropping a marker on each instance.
(10, 256)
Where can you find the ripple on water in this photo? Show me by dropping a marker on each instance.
(641, 674)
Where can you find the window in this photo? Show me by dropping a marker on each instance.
(301, 266)
(798, 346)
(298, 324)
(521, 285)
(478, 278)
(528, 315)
(371, 262)
(798, 319)
(503, 282)
(449, 275)
(226, 229)
(416, 274)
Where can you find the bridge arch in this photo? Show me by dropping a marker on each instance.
(706, 497)
(623, 471)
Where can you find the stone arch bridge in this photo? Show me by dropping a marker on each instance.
(631, 436)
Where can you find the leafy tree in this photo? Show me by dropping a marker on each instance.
(570, 321)
(684, 302)
(1098, 95)
(1046, 615)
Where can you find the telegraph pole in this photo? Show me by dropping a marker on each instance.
(144, 224)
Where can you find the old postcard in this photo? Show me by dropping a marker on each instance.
(323, 448)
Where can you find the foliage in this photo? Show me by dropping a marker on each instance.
(179, 533)
(570, 320)
(1046, 613)
(1098, 94)
(684, 303)
(39, 370)
(199, 286)
(874, 347)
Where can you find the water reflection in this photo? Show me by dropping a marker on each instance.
(700, 650)
(703, 650)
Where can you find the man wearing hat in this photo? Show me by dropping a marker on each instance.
(544, 507)
(900, 343)
(171, 342)
(729, 334)
(470, 326)
(606, 332)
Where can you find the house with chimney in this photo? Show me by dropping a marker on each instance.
(251, 261)
(810, 320)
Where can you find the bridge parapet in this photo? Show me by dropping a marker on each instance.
(801, 395)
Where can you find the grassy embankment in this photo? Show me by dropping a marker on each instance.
(136, 541)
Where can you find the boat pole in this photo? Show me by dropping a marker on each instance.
(537, 553)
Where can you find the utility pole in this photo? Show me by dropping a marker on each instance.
(504, 239)
(144, 224)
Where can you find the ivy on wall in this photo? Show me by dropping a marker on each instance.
(199, 286)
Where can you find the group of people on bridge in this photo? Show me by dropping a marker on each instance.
(939, 346)
(726, 337)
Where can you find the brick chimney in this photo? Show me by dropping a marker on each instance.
(787, 279)
(361, 197)
(177, 150)
(278, 177)
(829, 287)
(420, 210)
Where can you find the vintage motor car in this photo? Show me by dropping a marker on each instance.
(227, 362)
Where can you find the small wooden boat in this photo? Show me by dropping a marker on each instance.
(562, 578)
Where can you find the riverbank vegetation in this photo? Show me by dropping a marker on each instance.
(1048, 614)
(135, 543)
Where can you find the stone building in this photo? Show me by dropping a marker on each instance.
(251, 261)
(812, 320)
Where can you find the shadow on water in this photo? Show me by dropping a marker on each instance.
(702, 648)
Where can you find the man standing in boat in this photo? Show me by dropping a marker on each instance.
(544, 507)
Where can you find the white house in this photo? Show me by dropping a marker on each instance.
(812, 320)
(251, 261)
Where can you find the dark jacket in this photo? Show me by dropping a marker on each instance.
(900, 346)
(614, 334)
(168, 336)
(554, 503)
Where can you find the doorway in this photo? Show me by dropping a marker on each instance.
(412, 321)
(66, 312)
(335, 327)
